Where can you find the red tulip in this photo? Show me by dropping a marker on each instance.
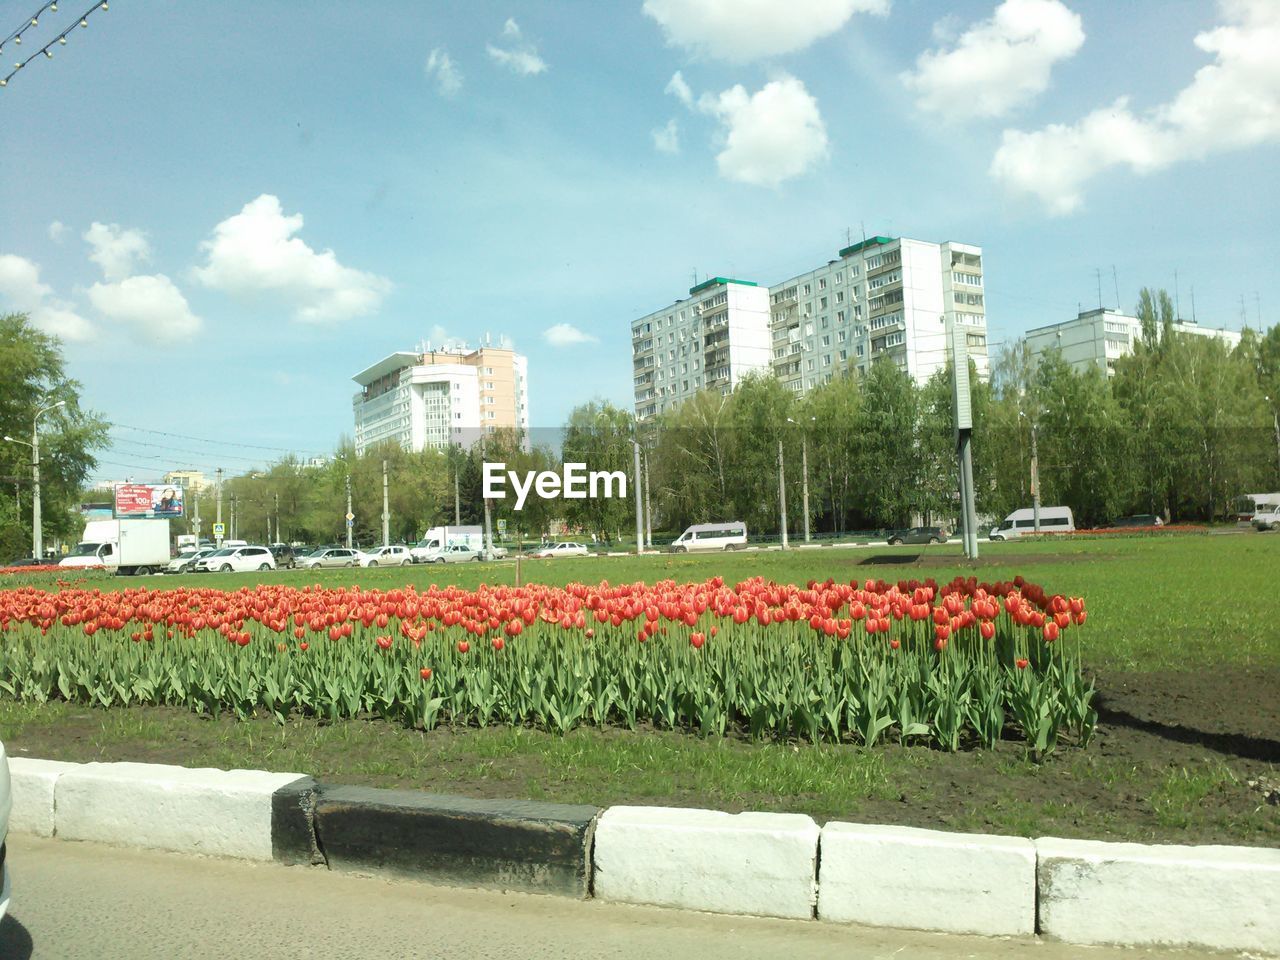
(425, 673)
(498, 643)
(463, 646)
(697, 640)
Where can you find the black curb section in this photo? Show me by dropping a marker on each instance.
(504, 844)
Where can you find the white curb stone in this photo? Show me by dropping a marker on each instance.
(927, 880)
(33, 788)
(1225, 898)
(750, 863)
(215, 812)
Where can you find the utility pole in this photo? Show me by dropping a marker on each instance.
(218, 518)
(457, 498)
(195, 517)
(386, 509)
(1035, 478)
(804, 471)
(962, 415)
(648, 511)
(782, 494)
(488, 522)
(639, 505)
(233, 516)
(277, 498)
(350, 523)
(37, 521)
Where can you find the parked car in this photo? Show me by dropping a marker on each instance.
(1138, 520)
(237, 560)
(396, 555)
(917, 535)
(185, 562)
(1267, 519)
(1022, 522)
(24, 562)
(454, 553)
(6, 802)
(328, 557)
(284, 556)
(495, 553)
(564, 549)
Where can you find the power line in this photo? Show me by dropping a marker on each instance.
(221, 443)
(200, 453)
(60, 39)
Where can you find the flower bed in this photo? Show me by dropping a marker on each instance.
(957, 664)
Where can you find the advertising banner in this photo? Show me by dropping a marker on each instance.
(161, 501)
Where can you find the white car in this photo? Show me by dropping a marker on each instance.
(1268, 519)
(328, 557)
(6, 802)
(186, 562)
(454, 553)
(236, 560)
(392, 556)
(565, 549)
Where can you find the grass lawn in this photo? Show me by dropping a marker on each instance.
(1183, 640)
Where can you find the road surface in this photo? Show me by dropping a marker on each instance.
(82, 900)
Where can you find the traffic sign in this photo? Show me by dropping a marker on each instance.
(219, 530)
(350, 518)
(502, 528)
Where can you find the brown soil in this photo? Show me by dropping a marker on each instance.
(1179, 757)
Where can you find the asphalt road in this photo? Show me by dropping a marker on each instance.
(73, 900)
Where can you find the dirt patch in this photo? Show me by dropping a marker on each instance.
(1179, 757)
(927, 559)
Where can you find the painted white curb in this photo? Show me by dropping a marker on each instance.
(752, 863)
(1225, 898)
(225, 813)
(927, 880)
(33, 787)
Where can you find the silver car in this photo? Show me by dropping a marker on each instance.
(186, 562)
(454, 553)
(328, 557)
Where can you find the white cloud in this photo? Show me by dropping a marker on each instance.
(21, 290)
(770, 136)
(20, 284)
(1231, 104)
(255, 251)
(998, 64)
(667, 139)
(522, 58)
(744, 30)
(441, 66)
(58, 230)
(152, 304)
(115, 249)
(566, 335)
(680, 89)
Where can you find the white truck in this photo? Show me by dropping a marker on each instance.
(132, 546)
(435, 540)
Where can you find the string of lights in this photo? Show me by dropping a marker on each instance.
(60, 39)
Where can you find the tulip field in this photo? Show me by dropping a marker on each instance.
(953, 664)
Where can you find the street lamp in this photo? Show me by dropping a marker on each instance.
(1035, 473)
(782, 493)
(804, 469)
(639, 504)
(1275, 419)
(37, 535)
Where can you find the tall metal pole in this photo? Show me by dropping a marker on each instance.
(639, 497)
(233, 516)
(218, 517)
(804, 467)
(782, 494)
(37, 535)
(386, 509)
(1276, 417)
(1035, 478)
(195, 516)
(350, 524)
(457, 499)
(968, 511)
(277, 498)
(648, 511)
(488, 522)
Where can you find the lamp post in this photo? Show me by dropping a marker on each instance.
(804, 470)
(782, 494)
(1275, 419)
(1035, 473)
(37, 534)
(639, 501)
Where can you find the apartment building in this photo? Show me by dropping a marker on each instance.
(711, 340)
(435, 398)
(883, 299)
(192, 480)
(1098, 338)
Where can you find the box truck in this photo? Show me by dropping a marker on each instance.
(122, 546)
(437, 538)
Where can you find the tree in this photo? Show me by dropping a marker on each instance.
(692, 461)
(889, 456)
(34, 378)
(599, 435)
(759, 410)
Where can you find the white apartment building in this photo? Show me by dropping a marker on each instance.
(1098, 338)
(711, 340)
(883, 300)
(435, 398)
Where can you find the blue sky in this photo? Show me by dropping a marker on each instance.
(284, 192)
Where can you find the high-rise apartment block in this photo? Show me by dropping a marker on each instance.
(437, 398)
(882, 300)
(1098, 338)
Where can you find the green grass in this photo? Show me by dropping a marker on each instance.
(1181, 606)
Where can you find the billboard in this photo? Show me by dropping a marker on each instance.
(161, 501)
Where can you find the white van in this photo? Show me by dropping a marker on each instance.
(711, 536)
(1020, 523)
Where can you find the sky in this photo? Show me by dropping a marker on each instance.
(226, 210)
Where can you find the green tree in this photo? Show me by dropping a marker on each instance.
(600, 435)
